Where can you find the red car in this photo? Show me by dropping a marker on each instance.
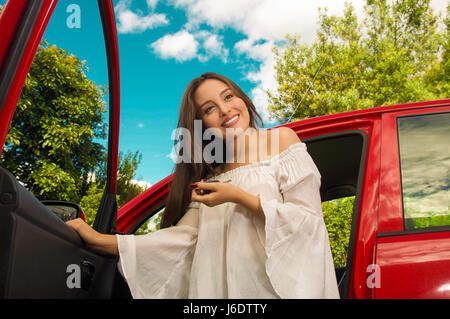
(393, 159)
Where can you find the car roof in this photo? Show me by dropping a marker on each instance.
(363, 113)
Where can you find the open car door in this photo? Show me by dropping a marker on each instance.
(40, 256)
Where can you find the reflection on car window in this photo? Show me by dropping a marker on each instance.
(152, 224)
(425, 161)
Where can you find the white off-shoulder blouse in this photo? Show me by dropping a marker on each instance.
(226, 251)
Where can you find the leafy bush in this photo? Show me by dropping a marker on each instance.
(434, 219)
(152, 224)
(338, 219)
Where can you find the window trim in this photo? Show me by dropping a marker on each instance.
(428, 230)
(16, 51)
(152, 212)
(406, 231)
(344, 285)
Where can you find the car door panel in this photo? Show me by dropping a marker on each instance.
(413, 262)
(39, 253)
(37, 249)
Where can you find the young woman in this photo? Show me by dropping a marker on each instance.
(256, 232)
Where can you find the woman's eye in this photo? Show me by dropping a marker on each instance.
(228, 96)
(208, 109)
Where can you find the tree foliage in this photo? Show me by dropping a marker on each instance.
(397, 54)
(50, 146)
(337, 215)
(150, 225)
(127, 188)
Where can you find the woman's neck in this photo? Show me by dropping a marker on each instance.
(242, 146)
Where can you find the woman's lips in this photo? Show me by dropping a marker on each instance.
(233, 121)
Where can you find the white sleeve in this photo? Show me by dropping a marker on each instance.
(158, 264)
(299, 261)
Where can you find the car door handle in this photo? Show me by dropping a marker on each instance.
(87, 274)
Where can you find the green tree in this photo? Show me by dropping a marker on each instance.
(50, 146)
(127, 188)
(151, 224)
(91, 202)
(395, 55)
(337, 215)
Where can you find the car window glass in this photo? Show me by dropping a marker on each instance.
(425, 162)
(151, 224)
(56, 144)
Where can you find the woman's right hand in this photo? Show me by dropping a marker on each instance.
(90, 236)
(93, 239)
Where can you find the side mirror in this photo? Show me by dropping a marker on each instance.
(64, 210)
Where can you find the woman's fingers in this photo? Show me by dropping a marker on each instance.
(207, 186)
(205, 198)
(86, 232)
(74, 223)
(196, 196)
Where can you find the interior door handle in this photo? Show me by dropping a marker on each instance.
(87, 274)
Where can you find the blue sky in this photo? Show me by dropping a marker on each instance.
(164, 44)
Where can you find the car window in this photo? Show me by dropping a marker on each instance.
(424, 164)
(57, 138)
(151, 224)
(337, 214)
(339, 158)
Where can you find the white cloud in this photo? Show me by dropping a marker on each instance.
(439, 6)
(184, 45)
(264, 23)
(212, 45)
(151, 4)
(131, 22)
(264, 76)
(172, 155)
(144, 184)
(181, 46)
(261, 19)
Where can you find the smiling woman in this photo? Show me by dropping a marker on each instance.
(206, 98)
(256, 232)
(240, 231)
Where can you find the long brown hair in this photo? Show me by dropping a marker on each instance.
(186, 173)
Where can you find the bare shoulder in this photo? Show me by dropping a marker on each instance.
(287, 137)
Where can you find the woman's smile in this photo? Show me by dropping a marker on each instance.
(231, 121)
(220, 107)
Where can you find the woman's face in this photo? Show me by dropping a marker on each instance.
(220, 108)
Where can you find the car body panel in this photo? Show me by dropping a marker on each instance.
(414, 265)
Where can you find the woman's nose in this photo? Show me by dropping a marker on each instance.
(224, 109)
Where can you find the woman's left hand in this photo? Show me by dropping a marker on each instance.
(220, 193)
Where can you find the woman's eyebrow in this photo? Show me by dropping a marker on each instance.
(221, 92)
